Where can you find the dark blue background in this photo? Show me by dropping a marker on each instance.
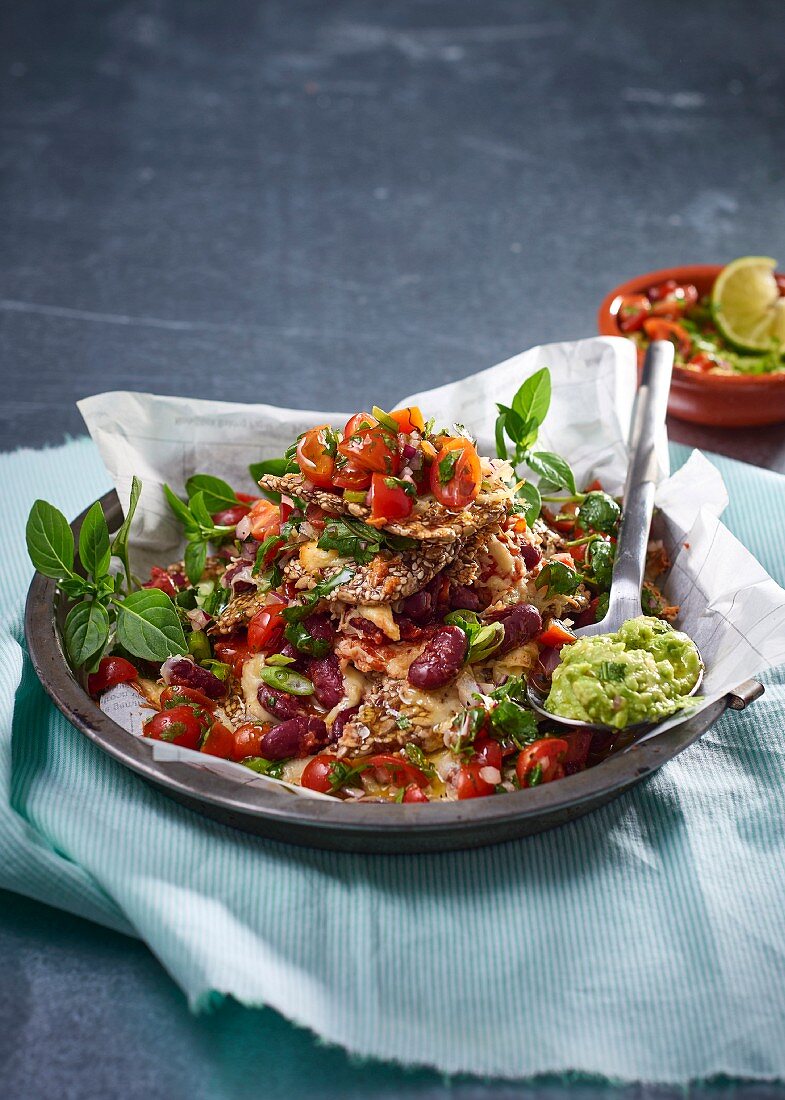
(328, 204)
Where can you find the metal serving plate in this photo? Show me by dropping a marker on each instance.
(354, 827)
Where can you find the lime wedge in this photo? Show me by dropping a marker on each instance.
(747, 306)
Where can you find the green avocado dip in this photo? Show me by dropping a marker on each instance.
(642, 673)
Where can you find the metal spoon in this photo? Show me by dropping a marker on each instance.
(648, 414)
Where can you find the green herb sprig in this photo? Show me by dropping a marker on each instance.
(206, 496)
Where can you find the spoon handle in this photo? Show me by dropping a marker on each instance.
(648, 415)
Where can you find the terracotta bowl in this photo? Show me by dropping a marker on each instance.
(726, 401)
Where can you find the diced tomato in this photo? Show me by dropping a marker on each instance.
(470, 784)
(350, 476)
(546, 756)
(247, 740)
(265, 519)
(567, 526)
(455, 482)
(413, 793)
(358, 423)
(389, 501)
(374, 449)
(657, 328)
(176, 696)
(595, 487)
(393, 771)
(316, 773)
(488, 753)
(555, 635)
(266, 627)
(313, 458)
(234, 651)
(230, 517)
(247, 498)
(632, 312)
(565, 558)
(703, 361)
(111, 671)
(409, 420)
(661, 290)
(578, 745)
(578, 553)
(218, 741)
(672, 299)
(178, 726)
(159, 578)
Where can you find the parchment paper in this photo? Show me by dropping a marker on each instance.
(732, 609)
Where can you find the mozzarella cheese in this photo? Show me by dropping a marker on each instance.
(313, 560)
(381, 615)
(250, 683)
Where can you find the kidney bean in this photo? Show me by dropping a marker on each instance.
(531, 555)
(320, 626)
(327, 679)
(300, 736)
(521, 623)
(185, 673)
(419, 607)
(341, 719)
(463, 598)
(279, 703)
(370, 630)
(441, 659)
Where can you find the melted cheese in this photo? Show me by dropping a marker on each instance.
(354, 684)
(441, 706)
(381, 615)
(501, 556)
(313, 560)
(250, 684)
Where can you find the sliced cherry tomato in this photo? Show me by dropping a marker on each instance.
(358, 423)
(159, 578)
(578, 553)
(413, 793)
(111, 671)
(230, 517)
(657, 328)
(470, 784)
(409, 420)
(247, 740)
(374, 449)
(266, 627)
(178, 726)
(176, 696)
(555, 635)
(661, 290)
(672, 299)
(565, 525)
(541, 762)
(632, 312)
(218, 741)
(389, 501)
(247, 498)
(265, 519)
(313, 458)
(232, 651)
(703, 361)
(394, 771)
(317, 772)
(578, 745)
(348, 475)
(488, 753)
(455, 481)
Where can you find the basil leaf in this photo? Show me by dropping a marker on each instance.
(50, 541)
(529, 493)
(599, 512)
(304, 642)
(467, 621)
(285, 679)
(217, 494)
(601, 556)
(120, 541)
(181, 511)
(199, 510)
(74, 586)
(94, 552)
(195, 560)
(513, 721)
(558, 577)
(447, 466)
(297, 612)
(86, 631)
(501, 446)
(552, 467)
(533, 398)
(149, 627)
(264, 549)
(351, 539)
(272, 768)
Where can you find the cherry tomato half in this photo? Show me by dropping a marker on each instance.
(317, 772)
(703, 361)
(111, 671)
(176, 696)
(230, 517)
(389, 500)
(266, 627)
(179, 726)
(218, 741)
(632, 312)
(409, 420)
(657, 328)
(247, 740)
(567, 524)
(313, 458)
(455, 481)
(546, 756)
(555, 634)
(358, 423)
(414, 793)
(488, 753)
(234, 651)
(348, 475)
(265, 519)
(374, 449)
(672, 299)
(470, 784)
(159, 578)
(393, 771)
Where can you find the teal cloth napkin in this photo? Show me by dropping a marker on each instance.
(643, 942)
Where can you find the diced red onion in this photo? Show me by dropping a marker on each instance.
(408, 451)
(249, 549)
(287, 500)
(198, 618)
(178, 580)
(243, 528)
(239, 577)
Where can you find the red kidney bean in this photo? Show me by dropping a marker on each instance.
(300, 736)
(441, 659)
(327, 679)
(370, 630)
(521, 623)
(184, 673)
(463, 598)
(341, 719)
(419, 607)
(279, 703)
(531, 555)
(321, 627)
